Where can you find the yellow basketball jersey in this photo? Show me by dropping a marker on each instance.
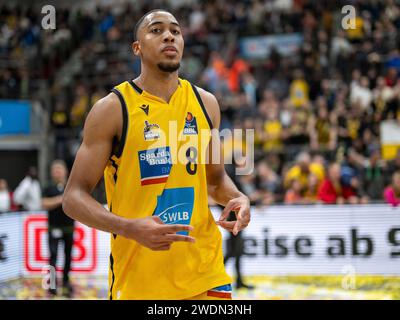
(160, 171)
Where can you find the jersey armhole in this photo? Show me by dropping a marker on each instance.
(121, 145)
(196, 92)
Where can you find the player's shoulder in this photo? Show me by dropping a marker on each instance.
(111, 100)
(206, 96)
(105, 113)
(106, 106)
(210, 103)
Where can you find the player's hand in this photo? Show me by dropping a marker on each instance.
(152, 233)
(241, 206)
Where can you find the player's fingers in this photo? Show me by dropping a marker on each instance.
(237, 227)
(229, 207)
(226, 224)
(235, 230)
(244, 216)
(240, 224)
(160, 240)
(228, 227)
(157, 219)
(163, 247)
(179, 237)
(243, 219)
(173, 228)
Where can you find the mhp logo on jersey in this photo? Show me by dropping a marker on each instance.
(155, 165)
(190, 124)
(175, 206)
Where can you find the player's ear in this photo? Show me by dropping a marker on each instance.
(136, 48)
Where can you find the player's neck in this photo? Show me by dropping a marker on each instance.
(158, 83)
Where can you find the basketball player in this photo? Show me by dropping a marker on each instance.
(165, 243)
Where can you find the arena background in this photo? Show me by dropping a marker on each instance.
(320, 77)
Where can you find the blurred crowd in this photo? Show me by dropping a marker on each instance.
(316, 113)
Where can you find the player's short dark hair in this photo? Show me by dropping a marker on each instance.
(139, 23)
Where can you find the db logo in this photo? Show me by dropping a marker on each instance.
(36, 252)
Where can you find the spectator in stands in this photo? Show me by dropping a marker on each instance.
(323, 127)
(60, 122)
(5, 199)
(374, 175)
(383, 94)
(303, 168)
(10, 83)
(269, 182)
(391, 77)
(28, 194)
(351, 174)
(394, 165)
(60, 226)
(248, 185)
(355, 35)
(392, 192)
(332, 190)
(79, 107)
(353, 126)
(299, 90)
(294, 194)
(272, 131)
(343, 135)
(320, 160)
(239, 66)
(297, 132)
(361, 94)
(311, 192)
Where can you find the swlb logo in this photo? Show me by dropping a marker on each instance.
(151, 131)
(155, 165)
(190, 124)
(175, 206)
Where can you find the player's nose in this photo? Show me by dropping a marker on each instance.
(168, 37)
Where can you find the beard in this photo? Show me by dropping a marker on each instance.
(168, 67)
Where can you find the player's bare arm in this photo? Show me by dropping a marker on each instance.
(103, 124)
(220, 186)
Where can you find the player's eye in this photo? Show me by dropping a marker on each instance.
(176, 32)
(156, 30)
